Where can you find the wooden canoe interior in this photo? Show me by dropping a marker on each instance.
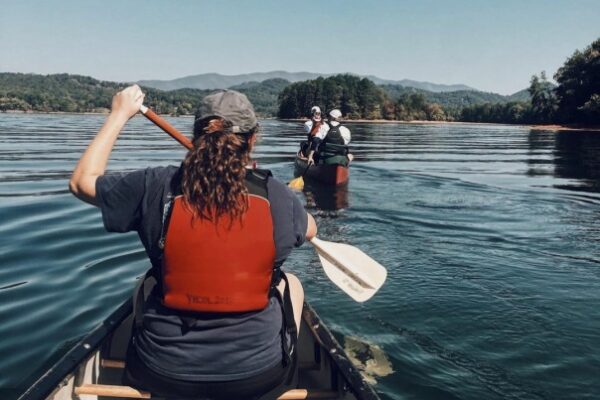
(324, 372)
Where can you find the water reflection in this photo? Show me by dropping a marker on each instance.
(539, 155)
(481, 247)
(326, 197)
(577, 156)
(572, 156)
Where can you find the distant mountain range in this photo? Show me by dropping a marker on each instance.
(75, 93)
(457, 99)
(218, 81)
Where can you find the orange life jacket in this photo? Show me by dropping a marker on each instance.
(220, 267)
(315, 128)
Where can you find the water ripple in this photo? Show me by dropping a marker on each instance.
(489, 234)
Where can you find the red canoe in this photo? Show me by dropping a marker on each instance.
(332, 174)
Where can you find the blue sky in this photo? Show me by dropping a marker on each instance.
(490, 45)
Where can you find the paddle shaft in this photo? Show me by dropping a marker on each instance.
(165, 126)
(305, 171)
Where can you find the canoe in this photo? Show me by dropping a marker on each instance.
(92, 368)
(331, 174)
(326, 197)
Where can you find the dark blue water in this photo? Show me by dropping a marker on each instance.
(489, 234)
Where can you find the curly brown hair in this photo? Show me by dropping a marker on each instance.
(214, 171)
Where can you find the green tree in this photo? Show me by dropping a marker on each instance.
(578, 84)
(434, 112)
(543, 100)
(355, 97)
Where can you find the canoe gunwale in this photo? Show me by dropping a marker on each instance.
(358, 386)
(85, 348)
(56, 376)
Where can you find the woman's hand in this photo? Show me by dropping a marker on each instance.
(127, 102)
(92, 163)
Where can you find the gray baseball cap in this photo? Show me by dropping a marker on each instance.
(230, 105)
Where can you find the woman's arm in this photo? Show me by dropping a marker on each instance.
(316, 140)
(311, 229)
(92, 163)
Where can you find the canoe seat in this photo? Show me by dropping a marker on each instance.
(112, 391)
(132, 393)
(119, 364)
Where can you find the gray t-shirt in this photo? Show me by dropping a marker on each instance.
(214, 347)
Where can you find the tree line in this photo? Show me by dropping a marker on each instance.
(574, 99)
(359, 98)
(76, 93)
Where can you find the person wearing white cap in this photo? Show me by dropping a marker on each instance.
(335, 133)
(334, 124)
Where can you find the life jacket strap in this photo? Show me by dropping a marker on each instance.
(289, 328)
(142, 290)
(166, 217)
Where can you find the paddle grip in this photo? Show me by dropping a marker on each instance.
(165, 126)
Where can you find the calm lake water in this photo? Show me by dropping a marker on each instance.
(490, 235)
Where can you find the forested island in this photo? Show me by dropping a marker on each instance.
(575, 99)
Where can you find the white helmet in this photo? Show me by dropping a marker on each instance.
(314, 110)
(335, 114)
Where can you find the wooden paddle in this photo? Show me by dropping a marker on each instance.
(165, 126)
(349, 268)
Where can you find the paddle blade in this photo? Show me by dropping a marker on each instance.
(350, 269)
(296, 183)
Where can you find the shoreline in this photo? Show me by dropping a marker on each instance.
(548, 127)
(561, 128)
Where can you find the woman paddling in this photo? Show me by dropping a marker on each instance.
(221, 320)
(313, 127)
